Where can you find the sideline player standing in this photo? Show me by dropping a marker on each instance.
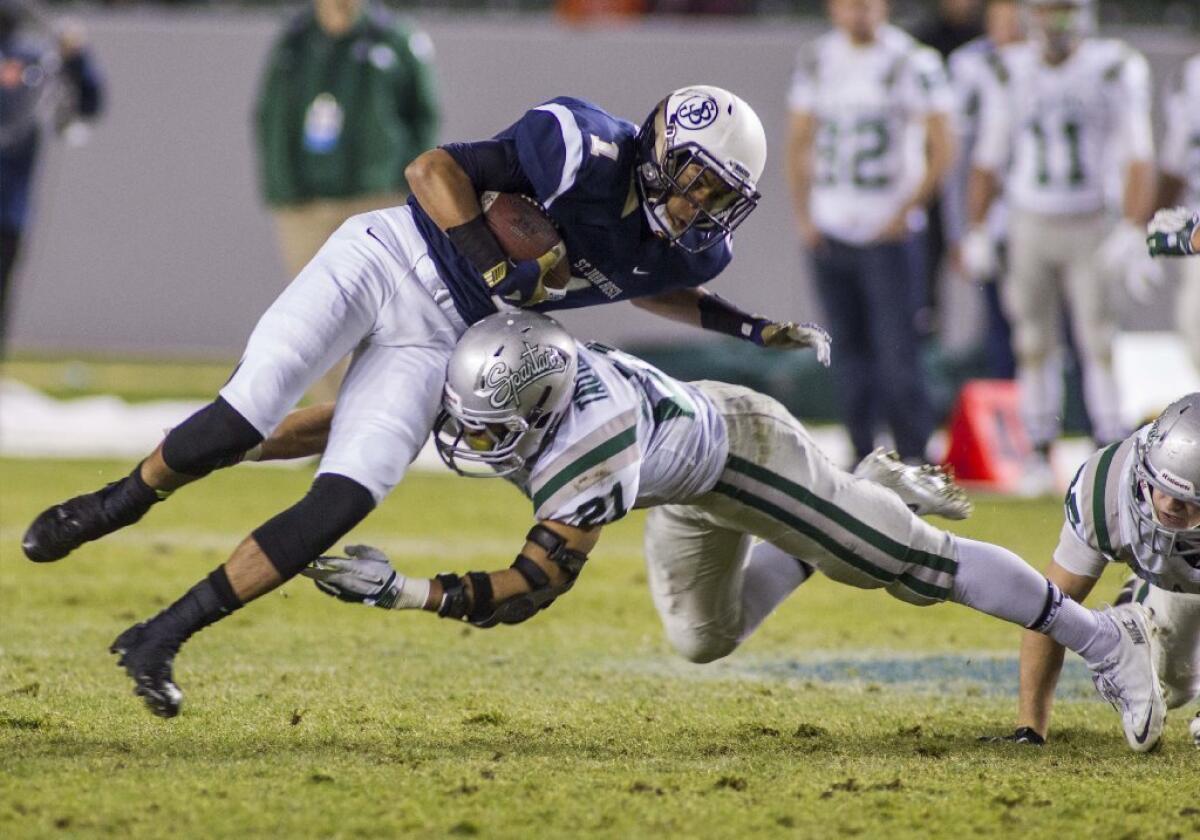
(644, 214)
(1135, 502)
(869, 142)
(589, 433)
(1062, 106)
(969, 67)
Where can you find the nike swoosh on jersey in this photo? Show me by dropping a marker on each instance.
(639, 270)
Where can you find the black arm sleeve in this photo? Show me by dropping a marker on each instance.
(491, 165)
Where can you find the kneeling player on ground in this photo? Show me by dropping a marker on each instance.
(1136, 502)
(587, 433)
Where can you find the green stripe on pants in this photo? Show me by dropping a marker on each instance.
(830, 544)
(877, 539)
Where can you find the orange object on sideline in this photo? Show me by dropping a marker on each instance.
(579, 11)
(987, 439)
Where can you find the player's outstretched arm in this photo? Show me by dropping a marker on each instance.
(699, 308)
(547, 567)
(1042, 658)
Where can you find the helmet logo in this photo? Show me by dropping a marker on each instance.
(502, 385)
(1181, 484)
(696, 112)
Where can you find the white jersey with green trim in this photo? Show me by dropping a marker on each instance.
(1181, 141)
(1100, 527)
(1067, 127)
(870, 103)
(632, 437)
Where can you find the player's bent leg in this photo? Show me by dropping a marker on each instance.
(276, 552)
(694, 571)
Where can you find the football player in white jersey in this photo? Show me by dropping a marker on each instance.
(969, 67)
(1064, 107)
(589, 433)
(644, 214)
(1176, 231)
(1135, 502)
(869, 142)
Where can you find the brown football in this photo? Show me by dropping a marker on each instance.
(525, 231)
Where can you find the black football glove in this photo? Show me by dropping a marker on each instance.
(1023, 735)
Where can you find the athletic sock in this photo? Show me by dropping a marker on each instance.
(208, 601)
(995, 581)
(1091, 634)
(126, 501)
(770, 575)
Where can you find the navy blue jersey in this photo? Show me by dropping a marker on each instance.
(579, 162)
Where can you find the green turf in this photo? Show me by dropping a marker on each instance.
(134, 380)
(306, 717)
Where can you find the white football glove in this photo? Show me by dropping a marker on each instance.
(1124, 251)
(1169, 233)
(788, 335)
(979, 258)
(366, 576)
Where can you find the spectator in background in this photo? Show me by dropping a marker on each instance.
(969, 67)
(953, 24)
(1180, 184)
(869, 142)
(347, 101)
(46, 75)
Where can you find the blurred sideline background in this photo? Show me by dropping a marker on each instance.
(151, 241)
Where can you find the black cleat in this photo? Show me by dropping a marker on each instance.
(147, 660)
(63, 528)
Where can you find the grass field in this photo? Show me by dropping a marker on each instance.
(849, 714)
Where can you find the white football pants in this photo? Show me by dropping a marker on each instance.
(780, 487)
(372, 289)
(1052, 260)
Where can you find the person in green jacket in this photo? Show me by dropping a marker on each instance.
(347, 101)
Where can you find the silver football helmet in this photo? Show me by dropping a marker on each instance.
(1169, 461)
(697, 137)
(508, 383)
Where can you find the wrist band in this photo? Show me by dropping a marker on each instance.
(721, 316)
(475, 242)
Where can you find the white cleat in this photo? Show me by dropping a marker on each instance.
(1194, 728)
(1129, 681)
(926, 489)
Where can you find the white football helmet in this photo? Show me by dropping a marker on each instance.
(1169, 461)
(508, 383)
(696, 130)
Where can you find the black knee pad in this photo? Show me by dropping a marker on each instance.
(293, 539)
(215, 436)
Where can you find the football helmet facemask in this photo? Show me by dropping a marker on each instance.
(1169, 461)
(708, 146)
(508, 383)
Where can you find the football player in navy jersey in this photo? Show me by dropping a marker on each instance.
(645, 215)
